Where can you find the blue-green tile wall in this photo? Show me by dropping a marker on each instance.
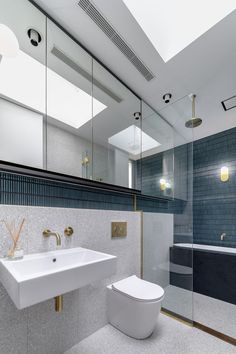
(214, 202)
(25, 190)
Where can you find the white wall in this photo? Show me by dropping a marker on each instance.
(21, 135)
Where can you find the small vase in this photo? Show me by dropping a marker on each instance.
(18, 253)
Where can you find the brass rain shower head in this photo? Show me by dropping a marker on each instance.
(194, 121)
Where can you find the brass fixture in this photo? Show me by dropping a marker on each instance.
(48, 233)
(85, 161)
(59, 303)
(223, 236)
(194, 121)
(224, 174)
(68, 231)
(119, 229)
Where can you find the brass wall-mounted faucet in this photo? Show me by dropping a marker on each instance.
(48, 233)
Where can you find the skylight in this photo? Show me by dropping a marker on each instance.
(22, 79)
(131, 139)
(172, 25)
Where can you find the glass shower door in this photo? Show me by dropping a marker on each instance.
(167, 229)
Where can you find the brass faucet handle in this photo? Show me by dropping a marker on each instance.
(68, 231)
(46, 232)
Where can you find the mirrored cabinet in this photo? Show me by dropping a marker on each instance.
(23, 85)
(68, 135)
(116, 129)
(62, 111)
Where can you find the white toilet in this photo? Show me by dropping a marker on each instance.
(134, 305)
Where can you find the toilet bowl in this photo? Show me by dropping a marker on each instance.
(134, 305)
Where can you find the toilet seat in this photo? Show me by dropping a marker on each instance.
(139, 289)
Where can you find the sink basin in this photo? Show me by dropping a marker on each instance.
(38, 277)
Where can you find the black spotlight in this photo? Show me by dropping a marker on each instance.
(167, 97)
(34, 36)
(137, 115)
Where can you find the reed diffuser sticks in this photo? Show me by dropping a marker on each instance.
(15, 235)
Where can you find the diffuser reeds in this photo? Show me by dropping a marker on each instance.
(15, 235)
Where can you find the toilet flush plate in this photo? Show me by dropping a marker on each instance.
(42, 276)
(118, 229)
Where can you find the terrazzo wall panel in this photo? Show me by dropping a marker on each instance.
(39, 329)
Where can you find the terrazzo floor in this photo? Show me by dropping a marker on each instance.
(169, 337)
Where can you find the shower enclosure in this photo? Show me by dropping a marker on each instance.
(189, 232)
(167, 175)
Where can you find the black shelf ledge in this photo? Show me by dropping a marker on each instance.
(17, 169)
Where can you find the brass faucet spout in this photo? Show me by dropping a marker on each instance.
(47, 233)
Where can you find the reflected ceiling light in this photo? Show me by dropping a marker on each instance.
(22, 79)
(172, 25)
(9, 45)
(69, 104)
(132, 139)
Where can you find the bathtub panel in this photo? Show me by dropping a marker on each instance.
(214, 272)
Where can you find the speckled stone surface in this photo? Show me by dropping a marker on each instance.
(13, 326)
(169, 337)
(216, 314)
(39, 329)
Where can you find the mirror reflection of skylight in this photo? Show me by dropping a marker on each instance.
(22, 79)
(131, 139)
(172, 25)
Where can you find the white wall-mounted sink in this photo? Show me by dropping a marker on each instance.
(38, 277)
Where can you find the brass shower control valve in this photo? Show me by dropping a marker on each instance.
(68, 231)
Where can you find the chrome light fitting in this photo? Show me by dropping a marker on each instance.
(194, 121)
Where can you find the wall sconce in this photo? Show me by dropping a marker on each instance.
(85, 161)
(164, 184)
(9, 46)
(224, 174)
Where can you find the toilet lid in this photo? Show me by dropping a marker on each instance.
(139, 289)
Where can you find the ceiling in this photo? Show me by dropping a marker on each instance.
(206, 67)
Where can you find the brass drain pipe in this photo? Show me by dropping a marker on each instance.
(59, 303)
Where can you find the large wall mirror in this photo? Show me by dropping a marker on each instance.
(22, 84)
(69, 105)
(116, 130)
(62, 111)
